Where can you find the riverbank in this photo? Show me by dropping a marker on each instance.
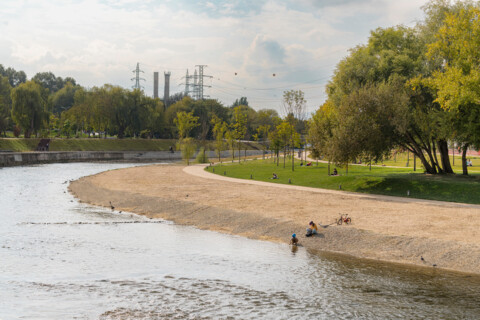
(388, 229)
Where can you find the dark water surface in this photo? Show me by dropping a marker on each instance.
(60, 259)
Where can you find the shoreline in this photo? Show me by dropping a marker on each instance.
(383, 229)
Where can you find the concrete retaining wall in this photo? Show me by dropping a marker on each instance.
(8, 159)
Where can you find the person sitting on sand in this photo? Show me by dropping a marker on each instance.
(294, 240)
(335, 172)
(275, 176)
(311, 229)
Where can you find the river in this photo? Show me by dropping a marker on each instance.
(61, 259)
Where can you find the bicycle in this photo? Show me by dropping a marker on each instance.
(344, 219)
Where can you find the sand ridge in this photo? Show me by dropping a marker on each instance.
(384, 228)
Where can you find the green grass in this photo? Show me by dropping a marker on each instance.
(96, 144)
(380, 180)
(13, 144)
(403, 160)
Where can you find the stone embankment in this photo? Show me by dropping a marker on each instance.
(8, 159)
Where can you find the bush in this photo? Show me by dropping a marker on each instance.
(16, 131)
(201, 156)
(145, 134)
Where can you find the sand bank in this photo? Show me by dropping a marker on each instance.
(384, 228)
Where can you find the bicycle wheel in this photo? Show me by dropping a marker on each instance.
(348, 220)
(339, 221)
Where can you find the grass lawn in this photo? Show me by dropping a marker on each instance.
(96, 144)
(380, 180)
(19, 145)
(406, 160)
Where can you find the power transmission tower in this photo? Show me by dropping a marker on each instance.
(187, 84)
(195, 85)
(137, 77)
(200, 84)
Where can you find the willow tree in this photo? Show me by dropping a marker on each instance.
(29, 104)
(376, 107)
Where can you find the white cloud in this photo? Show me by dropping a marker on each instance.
(100, 42)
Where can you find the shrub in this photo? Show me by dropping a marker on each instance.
(201, 156)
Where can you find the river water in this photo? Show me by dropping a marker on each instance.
(60, 259)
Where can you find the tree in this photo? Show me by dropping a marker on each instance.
(49, 81)
(185, 123)
(64, 98)
(5, 105)
(239, 127)
(15, 78)
(240, 102)
(28, 107)
(288, 138)
(320, 133)
(457, 83)
(262, 137)
(394, 57)
(219, 131)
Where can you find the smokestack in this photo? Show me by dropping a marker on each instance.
(155, 84)
(166, 92)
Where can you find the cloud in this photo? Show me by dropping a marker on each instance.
(100, 41)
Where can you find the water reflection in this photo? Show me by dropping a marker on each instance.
(62, 260)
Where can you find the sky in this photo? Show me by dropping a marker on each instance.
(252, 48)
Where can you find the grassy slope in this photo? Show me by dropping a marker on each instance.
(88, 144)
(381, 180)
(14, 144)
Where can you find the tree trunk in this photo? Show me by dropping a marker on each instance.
(443, 149)
(464, 160)
(284, 155)
(435, 159)
(328, 166)
(293, 158)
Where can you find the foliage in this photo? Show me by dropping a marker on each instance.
(240, 102)
(219, 131)
(374, 104)
(201, 156)
(187, 146)
(239, 126)
(15, 78)
(5, 104)
(185, 123)
(28, 107)
(49, 81)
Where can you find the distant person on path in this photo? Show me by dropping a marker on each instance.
(311, 229)
(171, 149)
(294, 240)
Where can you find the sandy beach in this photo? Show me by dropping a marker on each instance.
(400, 230)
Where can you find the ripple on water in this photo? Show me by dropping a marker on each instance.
(66, 260)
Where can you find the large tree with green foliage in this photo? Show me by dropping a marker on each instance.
(5, 104)
(29, 107)
(366, 115)
(457, 83)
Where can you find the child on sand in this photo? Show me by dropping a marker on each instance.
(294, 240)
(311, 229)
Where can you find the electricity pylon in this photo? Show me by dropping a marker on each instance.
(137, 77)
